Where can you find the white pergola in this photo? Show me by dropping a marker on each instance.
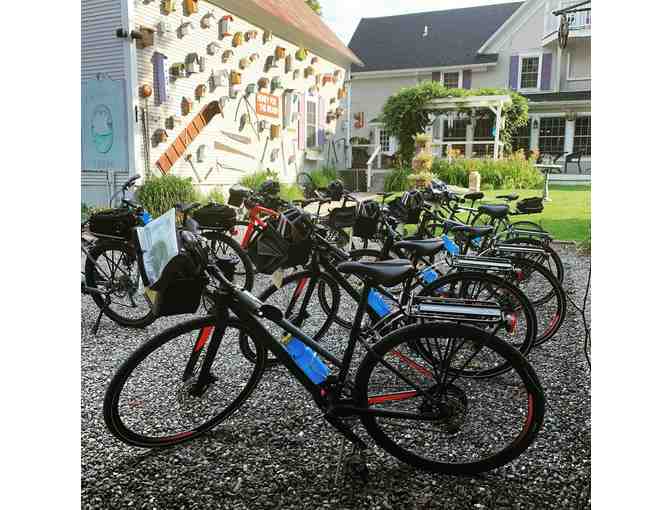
(493, 103)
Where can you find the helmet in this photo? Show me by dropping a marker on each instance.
(270, 187)
(335, 190)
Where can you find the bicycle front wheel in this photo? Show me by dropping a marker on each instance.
(433, 415)
(159, 396)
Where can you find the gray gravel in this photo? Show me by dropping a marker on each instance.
(277, 451)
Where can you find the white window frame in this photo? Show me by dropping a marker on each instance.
(460, 79)
(520, 71)
(312, 99)
(574, 78)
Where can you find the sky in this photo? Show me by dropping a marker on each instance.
(343, 16)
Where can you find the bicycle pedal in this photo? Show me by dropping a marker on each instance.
(357, 467)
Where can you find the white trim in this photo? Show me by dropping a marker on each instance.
(131, 71)
(460, 77)
(569, 54)
(508, 23)
(521, 56)
(363, 75)
(312, 99)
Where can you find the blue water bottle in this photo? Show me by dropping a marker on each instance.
(378, 304)
(429, 275)
(308, 360)
(145, 218)
(450, 245)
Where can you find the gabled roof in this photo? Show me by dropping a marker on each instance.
(454, 37)
(295, 21)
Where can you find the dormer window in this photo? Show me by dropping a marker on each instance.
(530, 72)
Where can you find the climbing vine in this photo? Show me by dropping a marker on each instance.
(404, 114)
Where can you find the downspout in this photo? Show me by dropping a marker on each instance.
(131, 77)
(348, 133)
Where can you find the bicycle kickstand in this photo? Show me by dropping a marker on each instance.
(355, 461)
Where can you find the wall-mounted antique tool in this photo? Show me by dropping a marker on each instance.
(214, 47)
(238, 138)
(251, 35)
(185, 29)
(225, 24)
(227, 55)
(189, 159)
(206, 21)
(231, 150)
(267, 37)
(237, 39)
(274, 155)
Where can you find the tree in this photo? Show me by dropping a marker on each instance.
(315, 5)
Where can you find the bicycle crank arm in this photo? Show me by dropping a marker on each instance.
(347, 432)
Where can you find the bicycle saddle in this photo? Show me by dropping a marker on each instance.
(476, 195)
(496, 211)
(421, 247)
(387, 272)
(510, 197)
(473, 231)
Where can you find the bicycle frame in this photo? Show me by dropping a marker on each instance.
(256, 221)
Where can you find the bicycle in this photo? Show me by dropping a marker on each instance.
(418, 377)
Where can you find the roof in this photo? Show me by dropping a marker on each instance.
(583, 95)
(295, 21)
(454, 37)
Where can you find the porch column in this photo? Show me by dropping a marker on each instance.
(570, 126)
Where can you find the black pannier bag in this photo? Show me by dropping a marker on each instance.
(367, 218)
(180, 287)
(113, 223)
(530, 205)
(284, 243)
(335, 190)
(408, 207)
(270, 187)
(238, 194)
(342, 217)
(216, 216)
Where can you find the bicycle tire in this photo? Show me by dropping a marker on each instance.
(526, 414)
(302, 280)
(219, 241)
(111, 406)
(554, 264)
(92, 276)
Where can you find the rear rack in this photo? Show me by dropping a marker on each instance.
(482, 263)
(520, 232)
(426, 307)
(513, 249)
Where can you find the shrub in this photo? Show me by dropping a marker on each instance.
(291, 192)
(323, 176)
(160, 194)
(256, 179)
(214, 195)
(514, 172)
(397, 179)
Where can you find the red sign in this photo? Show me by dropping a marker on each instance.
(268, 105)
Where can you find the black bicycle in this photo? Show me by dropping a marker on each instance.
(416, 391)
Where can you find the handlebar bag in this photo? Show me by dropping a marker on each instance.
(367, 218)
(342, 217)
(216, 216)
(117, 223)
(238, 194)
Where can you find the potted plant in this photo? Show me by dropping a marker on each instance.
(422, 143)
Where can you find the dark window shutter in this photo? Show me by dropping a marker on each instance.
(466, 79)
(436, 76)
(546, 66)
(513, 72)
(321, 118)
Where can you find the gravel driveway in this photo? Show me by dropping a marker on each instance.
(277, 452)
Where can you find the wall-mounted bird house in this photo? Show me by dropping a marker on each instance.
(270, 64)
(186, 28)
(201, 153)
(251, 35)
(191, 7)
(250, 89)
(276, 84)
(220, 79)
(331, 117)
(206, 21)
(146, 38)
(302, 54)
(275, 131)
(236, 78)
(168, 6)
(225, 24)
(201, 64)
(237, 39)
(214, 47)
(312, 91)
(310, 71)
(263, 83)
(161, 136)
(327, 78)
(172, 122)
(339, 112)
(254, 57)
(289, 64)
(262, 125)
(342, 93)
(337, 74)
(234, 90)
(314, 61)
(187, 106)
(227, 55)
(200, 92)
(192, 63)
(359, 120)
(145, 91)
(332, 100)
(274, 154)
(244, 63)
(160, 77)
(280, 52)
(164, 28)
(267, 37)
(296, 74)
(178, 70)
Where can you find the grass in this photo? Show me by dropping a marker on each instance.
(566, 217)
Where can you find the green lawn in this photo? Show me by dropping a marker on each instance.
(567, 216)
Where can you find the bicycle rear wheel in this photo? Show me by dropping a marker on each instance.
(221, 245)
(154, 399)
(553, 262)
(112, 268)
(447, 421)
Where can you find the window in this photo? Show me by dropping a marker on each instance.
(451, 80)
(482, 133)
(582, 136)
(521, 139)
(529, 73)
(552, 135)
(384, 140)
(455, 129)
(311, 123)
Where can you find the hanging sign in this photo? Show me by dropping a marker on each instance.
(268, 105)
(104, 125)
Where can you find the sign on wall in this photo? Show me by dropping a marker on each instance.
(268, 105)
(104, 125)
